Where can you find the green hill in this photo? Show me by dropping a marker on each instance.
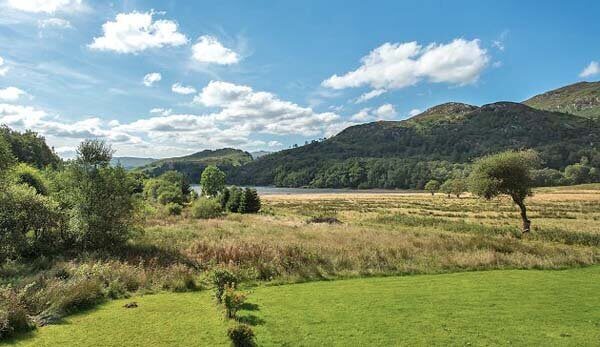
(131, 162)
(192, 165)
(582, 99)
(435, 144)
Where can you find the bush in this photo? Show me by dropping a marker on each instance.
(13, 314)
(233, 300)
(221, 279)
(28, 175)
(74, 295)
(233, 203)
(241, 336)
(249, 201)
(169, 193)
(174, 209)
(28, 222)
(206, 208)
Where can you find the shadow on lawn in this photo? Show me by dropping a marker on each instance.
(250, 319)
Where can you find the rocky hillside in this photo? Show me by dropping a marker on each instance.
(582, 99)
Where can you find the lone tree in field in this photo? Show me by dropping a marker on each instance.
(432, 186)
(455, 186)
(212, 181)
(507, 173)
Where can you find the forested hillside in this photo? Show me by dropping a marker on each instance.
(29, 147)
(437, 144)
(193, 165)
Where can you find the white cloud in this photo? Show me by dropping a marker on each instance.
(592, 69)
(208, 49)
(414, 112)
(54, 23)
(370, 95)
(27, 117)
(162, 111)
(151, 78)
(3, 70)
(134, 32)
(398, 65)
(274, 144)
(45, 6)
(11, 94)
(262, 111)
(385, 111)
(181, 89)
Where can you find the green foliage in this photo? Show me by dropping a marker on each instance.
(94, 153)
(28, 175)
(407, 154)
(506, 173)
(222, 278)
(454, 186)
(432, 186)
(192, 166)
(7, 158)
(168, 187)
(206, 208)
(233, 202)
(224, 198)
(232, 300)
(27, 147)
(212, 181)
(548, 177)
(99, 199)
(13, 314)
(241, 335)
(582, 99)
(29, 222)
(582, 172)
(169, 193)
(174, 209)
(249, 201)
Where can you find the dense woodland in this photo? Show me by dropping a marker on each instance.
(407, 154)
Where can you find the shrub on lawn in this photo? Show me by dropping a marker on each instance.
(206, 208)
(249, 201)
(179, 278)
(221, 279)
(241, 336)
(174, 209)
(233, 300)
(13, 314)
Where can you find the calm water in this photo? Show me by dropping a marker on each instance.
(292, 191)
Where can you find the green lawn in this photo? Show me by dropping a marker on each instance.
(515, 307)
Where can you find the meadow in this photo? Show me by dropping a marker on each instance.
(344, 244)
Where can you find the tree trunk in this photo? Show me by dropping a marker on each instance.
(526, 222)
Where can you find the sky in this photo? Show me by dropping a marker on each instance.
(169, 78)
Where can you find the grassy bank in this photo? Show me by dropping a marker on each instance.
(510, 307)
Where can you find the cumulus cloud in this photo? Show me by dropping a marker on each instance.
(54, 23)
(398, 65)
(151, 78)
(134, 32)
(11, 94)
(3, 69)
(592, 69)
(208, 49)
(181, 89)
(45, 6)
(383, 112)
(262, 111)
(28, 117)
(370, 95)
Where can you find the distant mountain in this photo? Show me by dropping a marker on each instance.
(582, 99)
(192, 165)
(258, 154)
(131, 162)
(434, 144)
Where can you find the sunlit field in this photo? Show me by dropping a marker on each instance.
(354, 239)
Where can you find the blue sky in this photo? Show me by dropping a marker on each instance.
(163, 78)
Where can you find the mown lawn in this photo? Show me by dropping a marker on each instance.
(504, 307)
